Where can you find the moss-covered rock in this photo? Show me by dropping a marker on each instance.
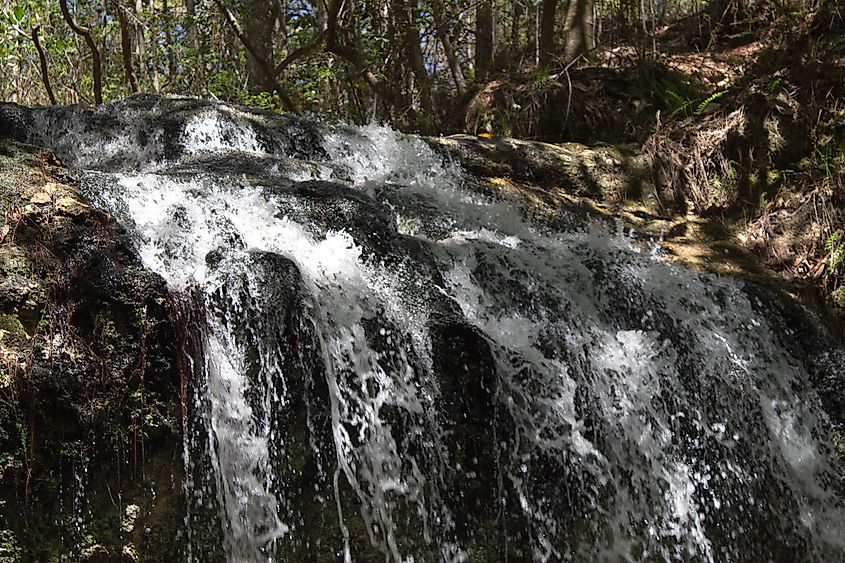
(603, 173)
(89, 407)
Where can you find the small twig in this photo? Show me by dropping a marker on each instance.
(569, 82)
(303, 51)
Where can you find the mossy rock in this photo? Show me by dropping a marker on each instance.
(602, 173)
(15, 122)
(12, 324)
(95, 380)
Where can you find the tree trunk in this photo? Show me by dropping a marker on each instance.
(484, 40)
(547, 49)
(138, 44)
(126, 48)
(269, 77)
(517, 11)
(442, 29)
(415, 55)
(168, 37)
(259, 26)
(354, 57)
(152, 41)
(579, 28)
(532, 31)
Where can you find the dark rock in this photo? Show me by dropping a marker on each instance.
(115, 359)
(155, 129)
(89, 380)
(15, 122)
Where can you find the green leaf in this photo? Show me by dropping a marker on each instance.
(833, 240)
(18, 13)
(703, 105)
(836, 248)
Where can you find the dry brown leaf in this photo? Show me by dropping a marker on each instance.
(41, 198)
(817, 270)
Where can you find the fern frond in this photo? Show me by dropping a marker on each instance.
(833, 240)
(709, 100)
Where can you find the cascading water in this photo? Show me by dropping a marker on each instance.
(399, 367)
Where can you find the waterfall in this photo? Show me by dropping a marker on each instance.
(401, 365)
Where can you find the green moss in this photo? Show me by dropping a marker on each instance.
(839, 443)
(85, 403)
(837, 297)
(11, 323)
(19, 166)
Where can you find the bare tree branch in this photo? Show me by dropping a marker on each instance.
(303, 51)
(351, 55)
(265, 67)
(42, 58)
(85, 33)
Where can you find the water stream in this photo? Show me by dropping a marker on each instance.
(401, 367)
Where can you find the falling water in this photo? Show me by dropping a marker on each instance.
(398, 366)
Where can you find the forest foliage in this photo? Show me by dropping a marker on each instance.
(408, 62)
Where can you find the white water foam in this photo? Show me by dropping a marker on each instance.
(651, 400)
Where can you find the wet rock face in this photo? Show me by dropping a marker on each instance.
(15, 122)
(602, 173)
(88, 375)
(390, 356)
(146, 129)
